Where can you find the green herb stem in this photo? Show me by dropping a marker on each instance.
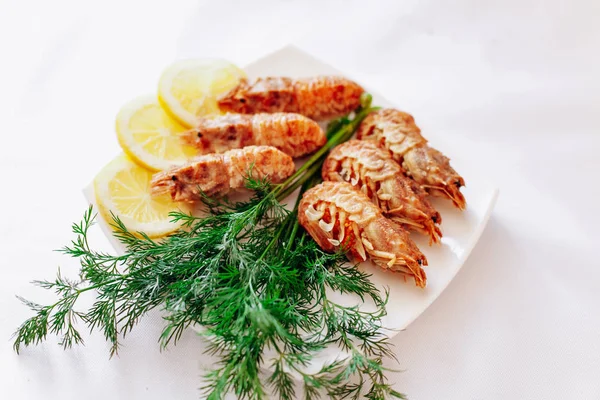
(308, 169)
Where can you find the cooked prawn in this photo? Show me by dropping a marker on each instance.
(373, 171)
(319, 98)
(397, 131)
(293, 134)
(337, 215)
(219, 174)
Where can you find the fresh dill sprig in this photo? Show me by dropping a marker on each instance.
(251, 277)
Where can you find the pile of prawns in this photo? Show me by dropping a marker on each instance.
(375, 187)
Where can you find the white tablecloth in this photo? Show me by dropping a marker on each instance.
(515, 81)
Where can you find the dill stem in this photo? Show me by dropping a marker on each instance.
(307, 171)
(339, 133)
(272, 242)
(292, 235)
(315, 158)
(304, 178)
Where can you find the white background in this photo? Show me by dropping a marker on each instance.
(516, 82)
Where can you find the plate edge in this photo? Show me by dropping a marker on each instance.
(461, 262)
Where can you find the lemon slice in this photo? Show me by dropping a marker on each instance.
(149, 136)
(190, 88)
(123, 188)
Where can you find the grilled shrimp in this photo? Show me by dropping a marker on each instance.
(293, 134)
(337, 215)
(373, 171)
(397, 131)
(218, 174)
(319, 98)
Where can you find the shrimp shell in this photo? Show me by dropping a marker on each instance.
(219, 174)
(372, 170)
(397, 131)
(293, 134)
(337, 215)
(319, 98)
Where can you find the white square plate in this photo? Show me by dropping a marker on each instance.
(461, 229)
